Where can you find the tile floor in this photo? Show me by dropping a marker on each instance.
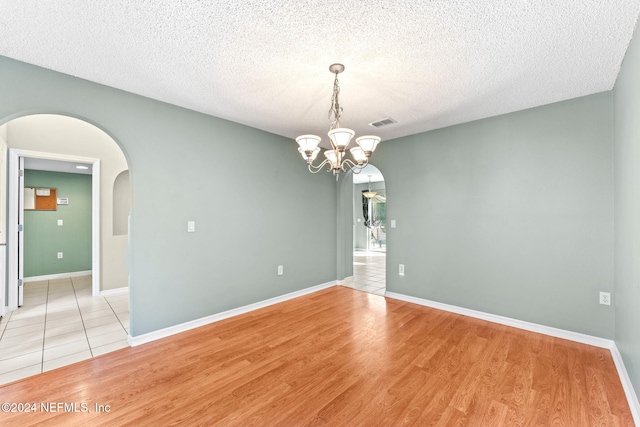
(60, 323)
(369, 270)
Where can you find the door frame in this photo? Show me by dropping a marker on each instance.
(14, 155)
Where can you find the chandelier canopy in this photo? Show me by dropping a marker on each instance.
(339, 138)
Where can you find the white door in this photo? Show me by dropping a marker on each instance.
(21, 232)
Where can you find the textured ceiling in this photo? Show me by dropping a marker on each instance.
(264, 63)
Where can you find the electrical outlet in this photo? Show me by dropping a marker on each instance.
(605, 298)
(280, 270)
(401, 269)
(60, 255)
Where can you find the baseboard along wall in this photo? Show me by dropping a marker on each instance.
(172, 330)
(57, 276)
(629, 391)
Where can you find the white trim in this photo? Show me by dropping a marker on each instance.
(115, 291)
(172, 330)
(632, 398)
(57, 276)
(95, 228)
(520, 324)
(12, 223)
(12, 229)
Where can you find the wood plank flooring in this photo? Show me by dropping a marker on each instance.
(338, 357)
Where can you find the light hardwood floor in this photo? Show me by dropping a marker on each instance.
(337, 357)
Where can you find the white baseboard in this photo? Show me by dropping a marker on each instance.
(114, 291)
(57, 276)
(172, 330)
(629, 391)
(520, 324)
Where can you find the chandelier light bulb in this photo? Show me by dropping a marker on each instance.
(313, 156)
(358, 155)
(308, 142)
(332, 157)
(368, 143)
(341, 137)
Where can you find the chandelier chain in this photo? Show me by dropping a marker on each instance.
(335, 111)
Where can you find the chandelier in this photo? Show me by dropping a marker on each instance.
(369, 194)
(339, 138)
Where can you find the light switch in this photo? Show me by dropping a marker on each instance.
(191, 226)
(60, 222)
(393, 223)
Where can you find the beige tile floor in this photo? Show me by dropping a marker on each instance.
(369, 270)
(60, 323)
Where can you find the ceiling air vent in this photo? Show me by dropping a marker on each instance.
(383, 122)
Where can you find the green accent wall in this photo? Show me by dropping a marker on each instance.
(510, 215)
(626, 118)
(43, 238)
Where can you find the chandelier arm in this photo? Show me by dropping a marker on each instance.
(316, 169)
(355, 168)
(366, 162)
(347, 163)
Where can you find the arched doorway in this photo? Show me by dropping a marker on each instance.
(369, 232)
(99, 321)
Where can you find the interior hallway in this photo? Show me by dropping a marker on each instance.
(60, 323)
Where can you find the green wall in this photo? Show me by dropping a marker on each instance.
(626, 113)
(511, 215)
(254, 203)
(43, 238)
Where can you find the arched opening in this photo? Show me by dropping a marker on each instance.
(370, 201)
(81, 310)
(367, 237)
